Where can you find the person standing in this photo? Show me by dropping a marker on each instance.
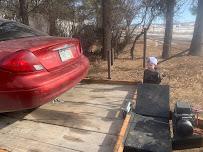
(151, 74)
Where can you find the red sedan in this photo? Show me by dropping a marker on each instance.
(36, 68)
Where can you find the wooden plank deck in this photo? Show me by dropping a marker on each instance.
(89, 120)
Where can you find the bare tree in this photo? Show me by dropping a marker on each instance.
(196, 47)
(124, 15)
(149, 11)
(10, 9)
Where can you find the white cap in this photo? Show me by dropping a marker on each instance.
(152, 60)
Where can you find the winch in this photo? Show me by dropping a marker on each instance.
(183, 119)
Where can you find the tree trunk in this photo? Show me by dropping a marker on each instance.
(52, 25)
(24, 12)
(196, 47)
(98, 12)
(133, 46)
(107, 35)
(168, 29)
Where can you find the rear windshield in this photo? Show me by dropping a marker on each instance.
(11, 30)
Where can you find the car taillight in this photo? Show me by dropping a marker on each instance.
(21, 61)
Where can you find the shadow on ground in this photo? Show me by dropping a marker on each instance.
(9, 118)
(175, 56)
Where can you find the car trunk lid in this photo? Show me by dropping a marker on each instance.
(52, 52)
(58, 55)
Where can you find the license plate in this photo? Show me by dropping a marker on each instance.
(65, 54)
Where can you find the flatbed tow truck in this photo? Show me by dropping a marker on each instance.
(90, 118)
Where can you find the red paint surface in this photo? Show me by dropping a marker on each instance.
(25, 90)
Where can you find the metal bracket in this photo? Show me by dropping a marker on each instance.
(126, 109)
(57, 100)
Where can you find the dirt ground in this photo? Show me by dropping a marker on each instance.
(184, 73)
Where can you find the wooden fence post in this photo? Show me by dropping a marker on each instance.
(145, 48)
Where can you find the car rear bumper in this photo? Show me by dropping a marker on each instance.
(48, 88)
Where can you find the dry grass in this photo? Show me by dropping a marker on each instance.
(184, 73)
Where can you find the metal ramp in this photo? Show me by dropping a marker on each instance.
(148, 129)
(153, 100)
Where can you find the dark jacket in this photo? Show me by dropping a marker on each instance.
(151, 77)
